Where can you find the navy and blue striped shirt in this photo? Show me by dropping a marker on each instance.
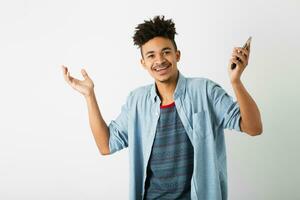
(170, 165)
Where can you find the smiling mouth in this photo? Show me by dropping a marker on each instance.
(161, 68)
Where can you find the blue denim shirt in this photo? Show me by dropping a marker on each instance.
(205, 110)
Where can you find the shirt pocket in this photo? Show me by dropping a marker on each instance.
(201, 124)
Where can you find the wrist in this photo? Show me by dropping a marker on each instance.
(236, 82)
(89, 95)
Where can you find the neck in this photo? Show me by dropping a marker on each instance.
(167, 89)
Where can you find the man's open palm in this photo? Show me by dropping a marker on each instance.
(85, 86)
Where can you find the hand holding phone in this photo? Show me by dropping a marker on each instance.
(246, 46)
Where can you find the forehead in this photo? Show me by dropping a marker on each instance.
(157, 44)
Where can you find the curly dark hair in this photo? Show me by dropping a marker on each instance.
(157, 26)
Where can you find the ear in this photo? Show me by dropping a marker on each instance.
(178, 54)
(143, 63)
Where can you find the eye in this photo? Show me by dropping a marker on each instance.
(166, 52)
(150, 56)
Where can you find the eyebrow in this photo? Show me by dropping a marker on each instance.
(166, 48)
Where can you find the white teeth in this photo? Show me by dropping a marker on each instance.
(161, 69)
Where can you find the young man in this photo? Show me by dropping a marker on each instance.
(174, 128)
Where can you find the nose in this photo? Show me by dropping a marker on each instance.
(160, 59)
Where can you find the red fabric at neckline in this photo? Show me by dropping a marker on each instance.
(168, 105)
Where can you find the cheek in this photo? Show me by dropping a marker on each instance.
(172, 58)
(149, 64)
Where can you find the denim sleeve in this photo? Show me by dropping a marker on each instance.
(226, 111)
(118, 129)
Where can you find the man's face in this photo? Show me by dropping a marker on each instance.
(160, 59)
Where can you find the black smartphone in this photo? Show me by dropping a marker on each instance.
(246, 46)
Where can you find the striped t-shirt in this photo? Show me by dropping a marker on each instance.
(170, 165)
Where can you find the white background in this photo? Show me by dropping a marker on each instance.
(47, 150)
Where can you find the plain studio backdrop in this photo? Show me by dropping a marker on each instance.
(47, 150)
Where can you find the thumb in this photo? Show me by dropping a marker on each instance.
(84, 74)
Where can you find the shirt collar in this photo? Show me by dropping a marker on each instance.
(179, 90)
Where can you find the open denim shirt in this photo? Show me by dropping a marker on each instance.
(205, 110)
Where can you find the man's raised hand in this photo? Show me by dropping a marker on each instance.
(85, 87)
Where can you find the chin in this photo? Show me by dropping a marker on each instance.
(163, 79)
